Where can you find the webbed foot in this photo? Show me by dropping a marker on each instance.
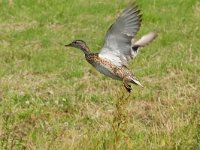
(127, 86)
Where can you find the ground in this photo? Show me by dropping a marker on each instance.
(51, 98)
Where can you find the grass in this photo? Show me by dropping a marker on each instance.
(50, 98)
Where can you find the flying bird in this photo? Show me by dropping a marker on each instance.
(119, 47)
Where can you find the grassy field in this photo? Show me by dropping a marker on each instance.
(51, 98)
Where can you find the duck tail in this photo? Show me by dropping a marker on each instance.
(137, 82)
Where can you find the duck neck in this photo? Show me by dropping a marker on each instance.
(85, 50)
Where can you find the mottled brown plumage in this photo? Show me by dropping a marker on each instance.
(118, 47)
(113, 71)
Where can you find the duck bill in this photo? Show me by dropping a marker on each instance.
(68, 45)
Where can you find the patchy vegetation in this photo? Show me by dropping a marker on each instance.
(50, 98)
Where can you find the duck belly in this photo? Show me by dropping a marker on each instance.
(107, 71)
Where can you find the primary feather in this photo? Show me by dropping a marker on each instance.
(117, 45)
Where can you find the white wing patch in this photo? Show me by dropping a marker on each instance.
(117, 44)
(112, 56)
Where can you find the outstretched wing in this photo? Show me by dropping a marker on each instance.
(143, 41)
(117, 45)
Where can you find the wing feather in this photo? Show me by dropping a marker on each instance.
(117, 44)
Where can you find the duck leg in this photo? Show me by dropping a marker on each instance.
(127, 86)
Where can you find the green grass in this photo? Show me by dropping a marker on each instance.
(51, 98)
